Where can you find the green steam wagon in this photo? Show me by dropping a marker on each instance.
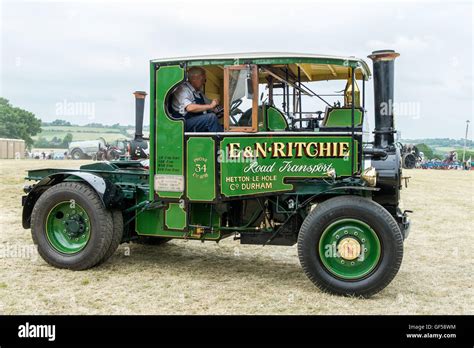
(280, 173)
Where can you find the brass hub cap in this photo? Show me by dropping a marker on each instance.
(349, 248)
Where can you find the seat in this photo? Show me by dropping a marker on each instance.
(342, 117)
(276, 121)
(169, 106)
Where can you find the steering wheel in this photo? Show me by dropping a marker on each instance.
(234, 106)
(219, 111)
(246, 118)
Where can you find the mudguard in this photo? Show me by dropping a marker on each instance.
(109, 194)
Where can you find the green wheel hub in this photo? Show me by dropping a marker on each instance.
(68, 227)
(349, 249)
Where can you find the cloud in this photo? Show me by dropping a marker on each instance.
(98, 51)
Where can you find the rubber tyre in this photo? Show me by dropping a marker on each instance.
(363, 209)
(145, 240)
(409, 161)
(77, 154)
(102, 230)
(117, 235)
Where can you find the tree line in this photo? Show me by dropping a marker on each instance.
(17, 123)
(439, 142)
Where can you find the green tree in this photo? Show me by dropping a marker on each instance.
(17, 123)
(42, 143)
(60, 123)
(427, 151)
(67, 139)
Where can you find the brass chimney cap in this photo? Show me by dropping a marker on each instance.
(140, 94)
(383, 55)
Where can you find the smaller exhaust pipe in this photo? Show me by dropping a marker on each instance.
(139, 110)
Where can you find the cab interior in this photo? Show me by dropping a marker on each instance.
(286, 97)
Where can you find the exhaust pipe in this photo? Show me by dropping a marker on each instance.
(139, 109)
(383, 62)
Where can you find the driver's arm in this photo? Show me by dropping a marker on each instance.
(201, 108)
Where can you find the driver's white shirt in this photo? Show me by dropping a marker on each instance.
(185, 95)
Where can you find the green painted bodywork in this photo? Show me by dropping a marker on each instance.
(248, 176)
(349, 269)
(201, 166)
(151, 222)
(175, 217)
(343, 118)
(275, 119)
(169, 141)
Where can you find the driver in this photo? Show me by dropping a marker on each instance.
(190, 103)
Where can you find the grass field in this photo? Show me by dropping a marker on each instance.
(182, 277)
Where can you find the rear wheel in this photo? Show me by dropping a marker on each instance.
(117, 235)
(351, 246)
(77, 154)
(71, 226)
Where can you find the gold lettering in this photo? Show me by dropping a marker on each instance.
(343, 149)
(299, 150)
(234, 150)
(289, 150)
(324, 149)
(278, 150)
(308, 150)
(261, 150)
(248, 152)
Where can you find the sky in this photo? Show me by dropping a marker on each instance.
(81, 60)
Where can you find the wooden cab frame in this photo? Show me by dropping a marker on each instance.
(254, 75)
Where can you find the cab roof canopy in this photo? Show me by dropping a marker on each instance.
(313, 67)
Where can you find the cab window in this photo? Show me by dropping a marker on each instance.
(240, 98)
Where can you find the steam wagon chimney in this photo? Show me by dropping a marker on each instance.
(139, 109)
(383, 62)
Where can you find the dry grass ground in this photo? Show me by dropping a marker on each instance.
(182, 277)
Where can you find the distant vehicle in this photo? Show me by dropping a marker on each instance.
(58, 156)
(112, 151)
(450, 157)
(411, 156)
(86, 149)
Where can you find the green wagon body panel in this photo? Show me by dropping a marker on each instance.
(279, 158)
(169, 141)
(175, 217)
(200, 169)
(160, 222)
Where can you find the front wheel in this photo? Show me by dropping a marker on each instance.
(350, 245)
